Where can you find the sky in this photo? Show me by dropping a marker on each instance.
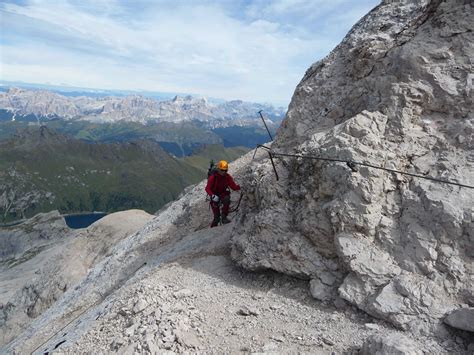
(253, 50)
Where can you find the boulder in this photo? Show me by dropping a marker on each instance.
(393, 345)
(319, 290)
(462, 318)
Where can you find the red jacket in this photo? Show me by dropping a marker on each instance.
(217, 184)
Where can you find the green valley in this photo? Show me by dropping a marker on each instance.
(179, 139)
(43, 170)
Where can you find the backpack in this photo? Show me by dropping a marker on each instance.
(212, 169)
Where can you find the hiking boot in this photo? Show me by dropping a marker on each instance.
(225, 220)
(215, 222)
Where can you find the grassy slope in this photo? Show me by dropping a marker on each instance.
(201, 158)
(86, 177)
(244, 136)
(127, 131)
(178, 138)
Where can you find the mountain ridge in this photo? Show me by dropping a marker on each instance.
(45, 105)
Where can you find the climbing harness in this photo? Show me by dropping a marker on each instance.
(232, 209)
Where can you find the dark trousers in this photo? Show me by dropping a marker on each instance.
(220, 208)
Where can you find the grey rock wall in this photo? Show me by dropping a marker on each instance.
(397, 93)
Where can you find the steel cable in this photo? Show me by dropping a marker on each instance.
(352, 163)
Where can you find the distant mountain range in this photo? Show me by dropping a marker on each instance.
(42, 105)
(68, 90)
(179, 125)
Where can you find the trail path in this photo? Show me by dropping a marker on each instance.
(202, 302)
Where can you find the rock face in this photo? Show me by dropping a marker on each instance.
(171, 286)
(397, 92)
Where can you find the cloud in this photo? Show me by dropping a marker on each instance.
(253, 51)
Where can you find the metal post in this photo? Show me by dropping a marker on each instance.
(273, 164)
(260, 112)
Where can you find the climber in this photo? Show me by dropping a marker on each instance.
(217, 188)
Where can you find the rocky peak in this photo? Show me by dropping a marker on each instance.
(388, 56)
(190, 102)
(15, 91)
(179, 98)
(40, 103)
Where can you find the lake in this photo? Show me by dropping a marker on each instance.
(83, 220)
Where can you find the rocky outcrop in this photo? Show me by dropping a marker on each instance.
(28, 238)
(397, 93)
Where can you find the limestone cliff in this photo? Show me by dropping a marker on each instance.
(397, 93)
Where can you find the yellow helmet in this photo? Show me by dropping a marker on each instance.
(223, 165)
